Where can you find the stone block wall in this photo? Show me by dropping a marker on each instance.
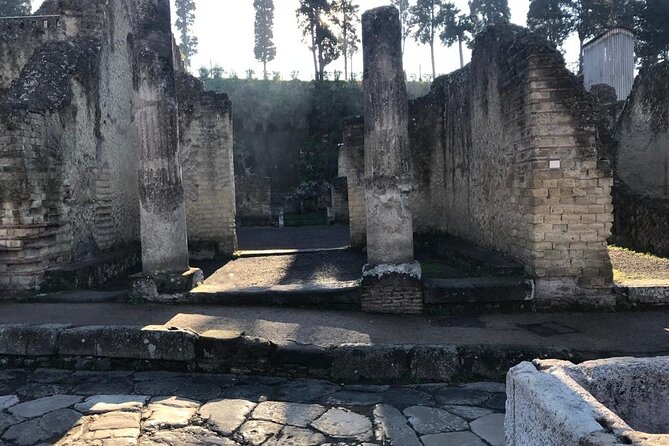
(352, 166)
(505, 155)
(340, 199)
(205, 152)
(641, 165)
(254, 200)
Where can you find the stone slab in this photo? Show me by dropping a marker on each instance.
(392, 428)
(41, 406)
(293, 414)
(490, 428)
(452, 439)
(226, 416)
(430, 420)
(342, 423)
(110, 403)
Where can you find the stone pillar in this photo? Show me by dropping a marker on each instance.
(391, 280)
(162, 207)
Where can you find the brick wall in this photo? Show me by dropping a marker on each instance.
(352, 159)
(641, 165)
(205, 152)
(505, 155)
(340, 199)
(254, 200)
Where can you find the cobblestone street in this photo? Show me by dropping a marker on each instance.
(56, 407)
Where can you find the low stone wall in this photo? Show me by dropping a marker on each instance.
(206, 157)
(254, 200)
(608, 402)
(173, 348)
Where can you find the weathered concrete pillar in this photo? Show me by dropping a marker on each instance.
(162, 207)
(392, 280)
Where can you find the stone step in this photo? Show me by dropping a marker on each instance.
(479, 290)
(342, 294)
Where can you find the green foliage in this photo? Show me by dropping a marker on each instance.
(185, 13)
(405, 18)
(457, 28)
(426, 21)
(487, 12)
(264, 49)
(551, 18)
(14, 8)
(652, 31)
(346, 16)
(315, 17)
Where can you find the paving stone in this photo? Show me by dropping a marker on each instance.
(158, 416)
(452, 439)
(8, 401)
(294, 414)
(490, 428)
(342, 423)
(391, 428)
(37, 390)
(50, 376)
(486, 386)
(366, 388)
(114, 420)
(303, 390)
(430, 420)
(200, 391)
(189, 436)
(39, 407)
(262, 380)
(256, 432)
(296, 436)
(402, 397)
(469, 413)
(462, 397)
(7, 420)
(111, 403)
(55, 423)
(258, 392)
(351, 398)
(225, 416)
(497, 402)
(116, 435)
(162, 387)
(156, 376)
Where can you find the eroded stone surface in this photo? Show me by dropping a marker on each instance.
(294, 414)
(454, 439)
(490, 428)
(110, 403)
(392, 428)
(256, 432)
(342, 423)
(469, 413)
(8, 401)
(465, 397)
(296, 436)
(225, 416)
(39, 407)
(351, 398)
(430, 420)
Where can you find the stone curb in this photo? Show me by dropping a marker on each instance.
(222, 351)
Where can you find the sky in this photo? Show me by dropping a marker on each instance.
(226, 38)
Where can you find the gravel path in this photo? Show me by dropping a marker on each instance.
(633, 266)
(158, 408)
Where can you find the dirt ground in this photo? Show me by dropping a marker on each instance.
(315, 268)
(633, 266)
(252, 238)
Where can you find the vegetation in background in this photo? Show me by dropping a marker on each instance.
(405, 19)
(425, 21)
(14, 8)
(486, 12)
(347, 18)
(552, 19)
(185, 13)
(652, 31)
(316, 20)
(457, 28)
(264, 49)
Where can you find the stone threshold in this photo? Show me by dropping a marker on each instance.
(286, 252)
(159, 347)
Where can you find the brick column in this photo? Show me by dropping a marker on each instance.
(353, 152)
(391, 280)
(161, 194)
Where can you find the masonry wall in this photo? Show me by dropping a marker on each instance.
(69, 186)
(352, 166)
(641, 160)
(205, 152)
(505, 155)
(254, 200)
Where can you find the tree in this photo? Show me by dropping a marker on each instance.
(487, 12)
(425, 19)
(347, 19)
(405, 19)
(652, 32)
(457, 28)
(14, 8)
(185, 12)
(203, 73)
(315, 18)
(551, 18)
(264, 50)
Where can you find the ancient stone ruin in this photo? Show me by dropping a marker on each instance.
(98, 125)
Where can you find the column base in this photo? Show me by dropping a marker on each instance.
(393, 289)
(164, 287)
